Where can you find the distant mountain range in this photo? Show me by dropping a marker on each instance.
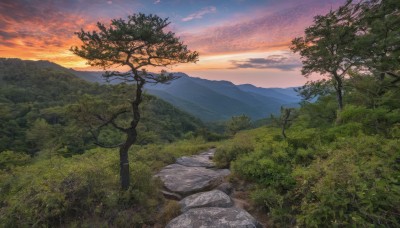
(215, 100)
(206, 99)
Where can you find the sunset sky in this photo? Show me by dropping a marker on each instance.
(243, 41)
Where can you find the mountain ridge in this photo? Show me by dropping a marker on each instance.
(209, 100)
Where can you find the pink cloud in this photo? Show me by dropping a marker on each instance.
(264, 31)
(200, 14)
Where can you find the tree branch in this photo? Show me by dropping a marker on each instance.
(111, 121)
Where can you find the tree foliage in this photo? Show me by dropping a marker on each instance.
(335, 45)
(379, 30)
(238, 123)
(327, 47)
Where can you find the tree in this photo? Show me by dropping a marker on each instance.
(238, 123)
(313, 89)
(379, 30)
(286, 118)
(327, 47)
(138, 42)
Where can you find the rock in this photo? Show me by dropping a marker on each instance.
(201, 160)
(214, 198)
(214, 217)
(171, 195)
(226, 188)
(185, 180)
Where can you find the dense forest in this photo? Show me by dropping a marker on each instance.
(335, 161)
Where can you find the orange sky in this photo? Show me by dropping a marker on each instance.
(240, 41)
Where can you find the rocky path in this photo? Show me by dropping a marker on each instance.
(202, 194)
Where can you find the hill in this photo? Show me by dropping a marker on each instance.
(35, 97)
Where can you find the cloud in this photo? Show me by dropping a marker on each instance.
(37, 29)
(157, 1)
(271, 62)
(263, 31)
(200, 14)
(39, 23)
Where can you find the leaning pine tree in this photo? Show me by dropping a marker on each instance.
(138, 42)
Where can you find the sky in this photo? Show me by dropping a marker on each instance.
(242, 41)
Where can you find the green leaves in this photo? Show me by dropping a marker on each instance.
(237, 123)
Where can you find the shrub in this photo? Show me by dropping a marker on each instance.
(76, 190)
(230, 150)
(356, 185)
(11, 159)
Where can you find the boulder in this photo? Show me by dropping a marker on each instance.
(202, 160)
(171, 195)
(214, 198)
(214, 217)
(185, 180)
(225, 187)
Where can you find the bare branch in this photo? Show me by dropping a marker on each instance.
(111, 120)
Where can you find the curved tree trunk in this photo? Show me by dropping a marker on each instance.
(124, 159)
(131, 134)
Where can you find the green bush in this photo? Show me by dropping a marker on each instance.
(76, 190)
(371, 121)
(11, 159)
(303, 138)
(357, 185)
(336, 177)
(230, 150)
(157, 156)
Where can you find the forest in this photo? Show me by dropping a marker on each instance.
(334, 161)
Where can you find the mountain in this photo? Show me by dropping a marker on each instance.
(206, 99)
(90, 76)
(216, 100)
(219, 100)
(287, 95)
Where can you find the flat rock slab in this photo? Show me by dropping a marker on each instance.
(214, 217)
(185, 180)
(201, 160)
(214, 198)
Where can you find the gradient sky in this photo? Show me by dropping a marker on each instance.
(243, 41)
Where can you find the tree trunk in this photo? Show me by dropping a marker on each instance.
(286, 113)
(124, 160)
(339, 91)
(283, 132)
(131, 135)
(340, 97)
(124, 167)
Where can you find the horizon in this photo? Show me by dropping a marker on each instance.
(241, 41)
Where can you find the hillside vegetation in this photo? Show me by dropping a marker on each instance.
(324, 173)
(334, 162)
(37, 98)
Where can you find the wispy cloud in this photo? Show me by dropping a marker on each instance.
(199, 14)
(40, 30)
(256, 33)
(157, 1)
(271, 62)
